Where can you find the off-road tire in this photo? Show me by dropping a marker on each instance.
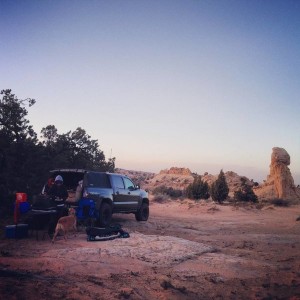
(143, 213)
(105, 215)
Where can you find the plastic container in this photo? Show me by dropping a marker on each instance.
(16, 231)
(21, 231)
(10, 231)
(24, 207)
(21, 197)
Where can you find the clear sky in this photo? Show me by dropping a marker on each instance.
(200, 84)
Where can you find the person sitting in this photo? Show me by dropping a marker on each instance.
(48, 186)
(58, 191)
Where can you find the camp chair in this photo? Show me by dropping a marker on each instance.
(86, 212)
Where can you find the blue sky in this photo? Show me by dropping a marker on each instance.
(207, 85)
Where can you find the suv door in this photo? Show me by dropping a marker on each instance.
(132, 194)
(126, 197)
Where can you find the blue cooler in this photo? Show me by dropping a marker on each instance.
(10, 231)
(16, 231)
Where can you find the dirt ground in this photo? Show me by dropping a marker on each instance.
(186, 250)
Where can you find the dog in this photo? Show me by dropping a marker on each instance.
(66, 223)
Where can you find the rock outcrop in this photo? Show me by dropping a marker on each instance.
(138, 177)
(177, 178)
(234, 181)
(279, 183)
(180, 178)
(177, 171)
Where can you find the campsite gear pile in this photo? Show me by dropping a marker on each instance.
(44, 213)
(17, 231)
(107, 233)
(21, 206)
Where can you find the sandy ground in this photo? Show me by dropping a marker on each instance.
(186, 250)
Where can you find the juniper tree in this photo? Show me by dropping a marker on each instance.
(219, 189)
(198, 189)
(245, 193)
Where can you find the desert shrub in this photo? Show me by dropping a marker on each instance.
(159, 190)
(197, 190)
(160, 198)
(219, 189)
(174, 193)
(162, 189)
(245, 193)
(280, 202)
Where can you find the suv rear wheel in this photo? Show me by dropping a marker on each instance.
(143, 213)
(105, 214)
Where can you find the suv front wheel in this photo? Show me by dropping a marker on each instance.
(143, 213)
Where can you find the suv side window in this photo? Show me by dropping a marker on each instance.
(94, 179)
(117, 181)
(129, 185)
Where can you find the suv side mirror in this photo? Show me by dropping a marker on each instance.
(134, 188)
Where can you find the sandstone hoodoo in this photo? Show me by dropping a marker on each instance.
(279, 183)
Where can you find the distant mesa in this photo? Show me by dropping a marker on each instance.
(279, 183)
